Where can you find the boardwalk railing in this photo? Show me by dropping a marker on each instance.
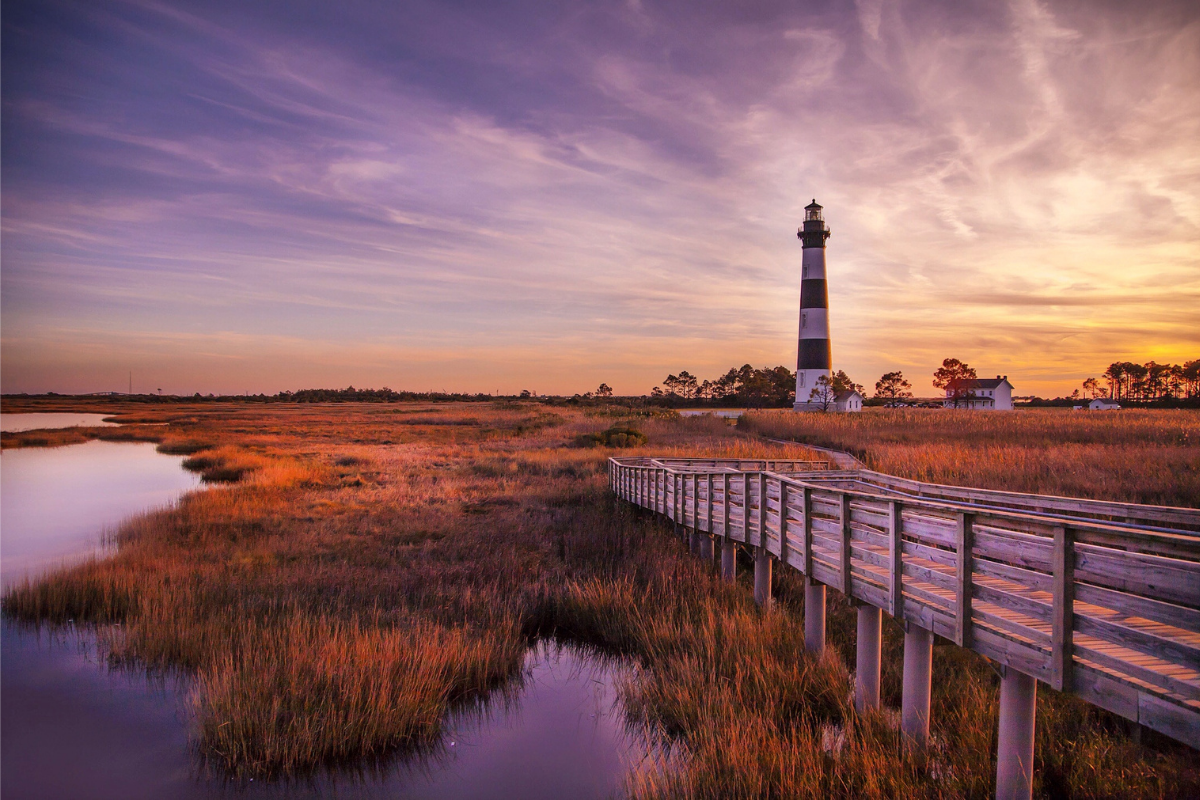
(1096, 598)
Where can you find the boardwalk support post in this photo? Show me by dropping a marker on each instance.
(762, 576)
(1014, 761)
(814, 615)
(866, 668)
(918, 673)
(729, 559)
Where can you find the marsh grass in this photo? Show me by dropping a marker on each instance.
(365, 578)
(1135, 456)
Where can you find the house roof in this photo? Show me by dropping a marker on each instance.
(842, 397)
(988, 383)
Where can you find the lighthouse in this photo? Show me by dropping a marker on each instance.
(814, 357)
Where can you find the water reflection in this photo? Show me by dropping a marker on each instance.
(32, 422)
(563, 735)
(70, 727)
(55, 503)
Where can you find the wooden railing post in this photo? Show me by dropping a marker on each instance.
(1063, 622)
(728, 548)
(709, 505)
(746, 507)
(695, 536)
(663, 497)
(814, 593)
(676, 500)
(896, 546)
(706, 539)
(663, 500)
(807, 536)
(846, 571)
(725, 506)
(783, 522)
(762, 511)
(963, 542)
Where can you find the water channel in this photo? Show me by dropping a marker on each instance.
(71, 727)
(14, 423)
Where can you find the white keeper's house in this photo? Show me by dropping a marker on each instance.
(986, 394)
(848, 401)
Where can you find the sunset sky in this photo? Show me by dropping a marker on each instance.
(238, 196)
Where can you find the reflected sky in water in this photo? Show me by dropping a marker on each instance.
(71, 727)
(56, 503)
(50, 420)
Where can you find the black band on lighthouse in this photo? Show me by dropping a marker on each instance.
(815, 354)
(813, 293)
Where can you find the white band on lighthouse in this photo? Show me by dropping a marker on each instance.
(814, 323)
(812, 263)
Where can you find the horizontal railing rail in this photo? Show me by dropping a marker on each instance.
(1096, 598)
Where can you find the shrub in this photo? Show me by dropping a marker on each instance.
(616, 436)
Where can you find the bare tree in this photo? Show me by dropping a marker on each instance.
(823, 393)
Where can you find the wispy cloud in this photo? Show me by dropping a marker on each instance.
(598, 193)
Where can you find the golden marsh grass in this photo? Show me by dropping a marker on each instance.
(375, 566)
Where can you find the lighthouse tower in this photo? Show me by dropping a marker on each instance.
(815, 356)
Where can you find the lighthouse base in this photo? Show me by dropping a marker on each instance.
(814, 406)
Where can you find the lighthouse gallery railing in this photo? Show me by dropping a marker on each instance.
(1095, 598)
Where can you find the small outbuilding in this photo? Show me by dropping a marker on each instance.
(1103, 404)
(849, 400)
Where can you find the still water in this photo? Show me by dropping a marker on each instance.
(32, 422)
(70, 727)
(57, 502)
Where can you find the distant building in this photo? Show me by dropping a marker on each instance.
(848, 401)
(1103, 404)
(986, 394)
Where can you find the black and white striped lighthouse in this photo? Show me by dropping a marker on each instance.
(814, 356)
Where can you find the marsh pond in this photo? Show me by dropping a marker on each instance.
(73, 727)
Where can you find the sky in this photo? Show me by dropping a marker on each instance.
(230, 197)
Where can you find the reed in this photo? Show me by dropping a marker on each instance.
(1134, 456)
(377, 566)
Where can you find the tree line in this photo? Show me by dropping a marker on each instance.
(767, 387)
(1127, 380)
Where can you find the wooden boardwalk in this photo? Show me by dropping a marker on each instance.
(1096, 598)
